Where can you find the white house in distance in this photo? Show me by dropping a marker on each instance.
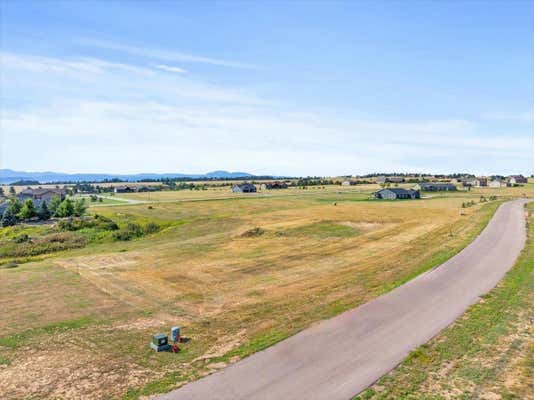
(497, 183)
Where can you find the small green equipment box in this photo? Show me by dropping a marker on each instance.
(160, 342)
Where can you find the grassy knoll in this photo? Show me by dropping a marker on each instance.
(238, 274)
(487, 354)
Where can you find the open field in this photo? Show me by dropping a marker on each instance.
(237, 274)
(487, 354)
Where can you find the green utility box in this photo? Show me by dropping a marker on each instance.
(160, 342)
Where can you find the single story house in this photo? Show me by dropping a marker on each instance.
(434, 187)
(517, 179)
(496, 183)
(469, 182)
(244, 188)
(41, 195)
(348, 183)
(124, 189)
(389, 179)
(396, 193)
(145, 189)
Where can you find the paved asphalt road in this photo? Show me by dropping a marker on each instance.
(338, 358)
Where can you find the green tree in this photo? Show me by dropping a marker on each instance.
(14, 205)
(1, 191)
(8, 218)
(11, 190)
(65, 209)
(54, 204)
(43, 212)
(79, 207)
(27, 211)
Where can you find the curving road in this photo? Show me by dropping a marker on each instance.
(340, 357)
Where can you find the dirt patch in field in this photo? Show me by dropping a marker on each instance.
(68, 373)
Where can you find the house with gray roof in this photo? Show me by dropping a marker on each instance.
(434, 187)
(244, 188)
(396, 193)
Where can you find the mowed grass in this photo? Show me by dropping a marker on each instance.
(86, 315)
(487, 354)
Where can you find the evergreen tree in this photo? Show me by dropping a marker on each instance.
(8, 218)
(65, 209)
(27, 211)
(54, 204)
(14, 205)
(1, 191)
(43, 212)
(11, 190)
(79, 207)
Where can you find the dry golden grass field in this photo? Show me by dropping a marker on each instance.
(236, 273)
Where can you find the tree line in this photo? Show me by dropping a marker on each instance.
(16, 211)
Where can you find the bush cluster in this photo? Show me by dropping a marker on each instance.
(468, 204)
(46, 244)
(134, 230)
(98, 221)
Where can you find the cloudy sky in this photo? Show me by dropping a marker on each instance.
(290, 88)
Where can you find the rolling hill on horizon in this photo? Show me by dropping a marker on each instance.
(8, 176)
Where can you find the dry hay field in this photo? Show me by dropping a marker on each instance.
(236, 274)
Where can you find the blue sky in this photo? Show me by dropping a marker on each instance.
(294, 88)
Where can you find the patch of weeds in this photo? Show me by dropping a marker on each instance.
(322, 229)
(19, 339)
(254, 232)
(46, 244)
(9, 265)
(369, 393)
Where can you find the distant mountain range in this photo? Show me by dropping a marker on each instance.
(8, 176)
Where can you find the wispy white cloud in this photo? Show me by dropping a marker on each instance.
(166, 55)
(526, 116)
(92, 77)
(111, 115)
(170, 68)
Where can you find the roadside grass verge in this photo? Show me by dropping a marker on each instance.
(487, 353)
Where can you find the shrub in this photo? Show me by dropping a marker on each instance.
(151, 227)
(132, 230)
(79, 207)
(21, 238)
(47, 244)
(8, 218)
(43, 212)
(65, 209)
(254, 232)
(28, 210)
(99, 222)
